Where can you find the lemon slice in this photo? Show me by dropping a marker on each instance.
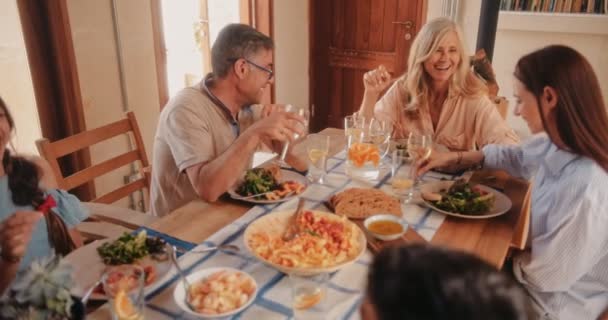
(305, 301)
(316, 154)
(402, 183)
(124, 308)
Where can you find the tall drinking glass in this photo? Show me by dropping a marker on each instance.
(419, 146)
(303, 112)
(124, 287)
(308, 293)
(317, 147)
(403, 175)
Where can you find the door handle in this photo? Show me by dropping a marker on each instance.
(407, 24)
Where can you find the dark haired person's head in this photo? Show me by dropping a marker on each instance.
(244, 55)
(428, 283)
(23, 175)
(558, 92)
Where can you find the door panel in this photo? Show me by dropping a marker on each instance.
(348, 38)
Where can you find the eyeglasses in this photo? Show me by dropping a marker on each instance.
(269, 71)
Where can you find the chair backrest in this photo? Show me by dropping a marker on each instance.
(52, 151)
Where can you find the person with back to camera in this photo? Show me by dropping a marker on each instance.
(422, 282)
(438, 96)
(565, 270)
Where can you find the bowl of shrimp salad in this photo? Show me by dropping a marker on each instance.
(216, 292)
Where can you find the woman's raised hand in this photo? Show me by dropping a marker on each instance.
(377, 80)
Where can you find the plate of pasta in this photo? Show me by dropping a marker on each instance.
(272, 184)
(325, 242)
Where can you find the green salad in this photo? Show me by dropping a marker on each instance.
(257, 181)
(463, 198)
(129, 248)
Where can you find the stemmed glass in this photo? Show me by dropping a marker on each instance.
(419, 147)
(353, 125)
(379, 132)
(317, 147)
(303, 112)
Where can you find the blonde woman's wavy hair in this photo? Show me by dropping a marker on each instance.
(415, 80)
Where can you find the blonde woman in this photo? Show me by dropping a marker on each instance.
(439, 95)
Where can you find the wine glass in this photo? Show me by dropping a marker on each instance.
(303, 112)
(317, 147)
(379, 133)
(353, 125)
(419, 146)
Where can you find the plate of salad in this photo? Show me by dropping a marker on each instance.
(151, 253)
(268, 185)
(464, 200)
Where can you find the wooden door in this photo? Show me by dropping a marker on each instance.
(350, 37)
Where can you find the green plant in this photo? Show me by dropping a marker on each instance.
(40, 292)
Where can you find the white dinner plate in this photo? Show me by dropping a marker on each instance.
(286, 175)
(502, 203)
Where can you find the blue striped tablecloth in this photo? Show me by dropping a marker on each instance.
(274, 296)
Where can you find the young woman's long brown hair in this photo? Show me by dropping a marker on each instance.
(580, 117)
(23, 182)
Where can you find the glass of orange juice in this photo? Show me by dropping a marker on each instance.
(124, 287)
(403, 175)
(308, 292)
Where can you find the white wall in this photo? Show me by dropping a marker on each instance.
(98, 71)
(292, 52)
(511, 45)
(16, 83)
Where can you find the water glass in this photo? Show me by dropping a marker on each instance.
(403, 175)
(317, 147)
(124, 287)
(308, 293)
(354, 125)
(419, 147)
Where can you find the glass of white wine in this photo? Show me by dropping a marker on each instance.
(402, 175)
(419, 146)
(317, 147)
(303, 112)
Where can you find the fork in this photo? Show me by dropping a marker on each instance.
(292, 227)
(265, 193)
(183, 276)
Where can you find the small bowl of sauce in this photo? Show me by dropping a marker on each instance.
(385, 226)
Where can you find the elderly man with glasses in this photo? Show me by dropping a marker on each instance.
(202, 144)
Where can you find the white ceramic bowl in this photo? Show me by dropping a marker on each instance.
(179, 294)
(384, 217)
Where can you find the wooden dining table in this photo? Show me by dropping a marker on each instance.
(489, 239)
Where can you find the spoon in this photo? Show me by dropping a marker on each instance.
(183, 277)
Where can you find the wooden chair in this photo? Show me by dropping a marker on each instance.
(52, 151)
